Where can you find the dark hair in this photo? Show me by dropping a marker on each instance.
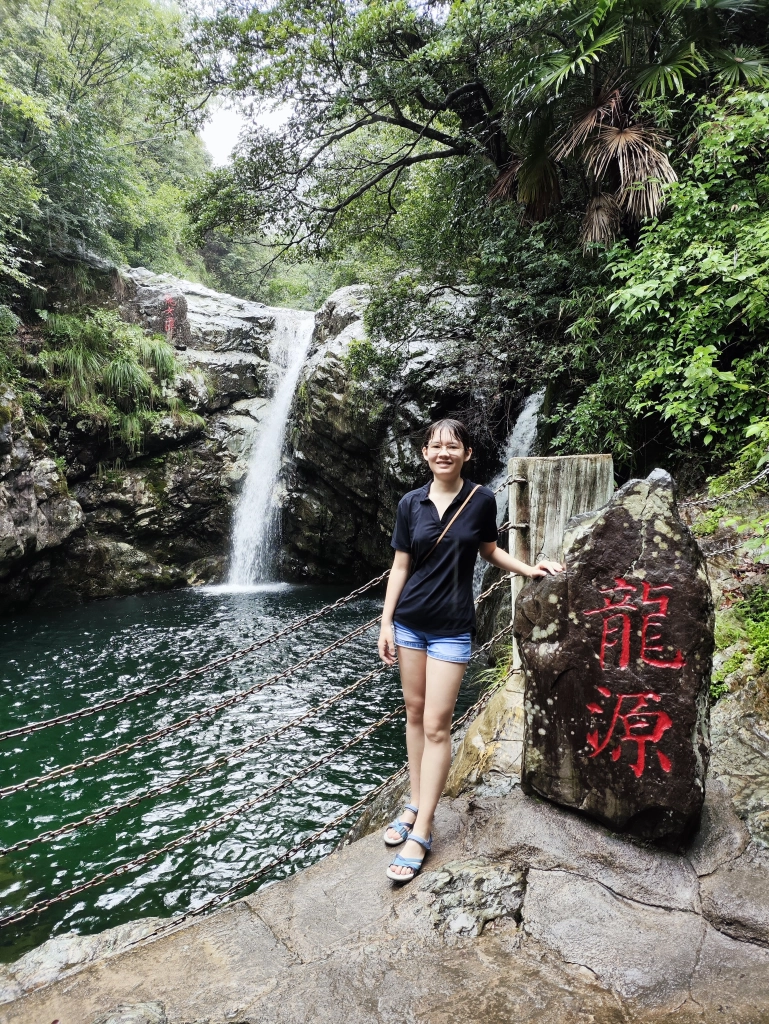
(455, 428)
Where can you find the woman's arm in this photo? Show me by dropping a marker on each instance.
(395, 584)
(496, 556)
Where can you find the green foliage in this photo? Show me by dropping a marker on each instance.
(680, 338)
(755, 611)
(92, 151)
(494, 678)
(109, 373)
(515, 92)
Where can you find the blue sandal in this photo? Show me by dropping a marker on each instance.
(409, 862)
(403, 828)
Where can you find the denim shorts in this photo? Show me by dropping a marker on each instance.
(442, 648)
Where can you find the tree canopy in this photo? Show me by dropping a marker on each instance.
(532, 92)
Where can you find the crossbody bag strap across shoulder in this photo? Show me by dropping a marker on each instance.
(448, 527)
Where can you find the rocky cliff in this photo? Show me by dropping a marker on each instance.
(356, 434)
(80, 516)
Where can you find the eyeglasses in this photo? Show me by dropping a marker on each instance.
(452, 448)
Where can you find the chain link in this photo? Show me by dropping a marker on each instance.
(243, 883)
(208, 826)
(308, 841)
(510, 480)
(729, 494)
(167, 787)
(145, 691)
(236, 698)
(492, 588)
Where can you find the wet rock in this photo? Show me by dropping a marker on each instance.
(36, 511)
(465, 895)
(193, 315)
(641, 952)
(721, 837)
(735, 898)
(229, 376)
(740, 752)
(492, 747)
(58, 957)
(617, 653)
(356, 429)
(133, 1013)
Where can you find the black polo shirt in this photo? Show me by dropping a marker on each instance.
(438, 596)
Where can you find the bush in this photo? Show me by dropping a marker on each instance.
(110, 373)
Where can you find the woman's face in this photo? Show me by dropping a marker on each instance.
(445, 454)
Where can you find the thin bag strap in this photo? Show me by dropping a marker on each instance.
(449, 525)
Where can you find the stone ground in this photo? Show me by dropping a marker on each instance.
(524, 912)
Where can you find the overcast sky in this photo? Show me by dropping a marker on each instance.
(221, 131)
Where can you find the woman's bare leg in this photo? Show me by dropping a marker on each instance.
(442, 682)
(412, 664)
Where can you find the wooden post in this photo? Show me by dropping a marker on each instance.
(544, 494)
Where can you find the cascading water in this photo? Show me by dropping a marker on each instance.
(255, 530)
(519, 445)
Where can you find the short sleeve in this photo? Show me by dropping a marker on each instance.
(402, 534)
(487, 528)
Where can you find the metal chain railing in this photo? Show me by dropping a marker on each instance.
(243, 883)
(150, 855)
(729, 494)
(145, 691)
(206, 826)
(210, 766)
(167, 787)
(141, 741)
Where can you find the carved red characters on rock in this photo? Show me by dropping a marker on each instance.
(633, 721)
(169, 316)
(617, 608)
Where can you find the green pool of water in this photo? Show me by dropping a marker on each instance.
(55, 662)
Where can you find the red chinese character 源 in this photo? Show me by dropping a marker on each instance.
(169, 318)
(633, 721)
(620, 602)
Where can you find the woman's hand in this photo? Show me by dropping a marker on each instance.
(387, 644)
(545, 568)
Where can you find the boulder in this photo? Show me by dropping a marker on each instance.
(617, 655)
(190, 314)
(36, 510)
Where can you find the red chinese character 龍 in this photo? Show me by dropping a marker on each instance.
(620, 602)
(633, 721)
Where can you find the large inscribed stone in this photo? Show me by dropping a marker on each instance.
(617, 655)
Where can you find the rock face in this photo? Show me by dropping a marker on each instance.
(356, 429)
(617, 654)
(76, 523)
(524, 911)
(36, 512)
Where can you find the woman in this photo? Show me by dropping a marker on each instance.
(429, 618)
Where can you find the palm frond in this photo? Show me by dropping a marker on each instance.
(505, 185)
(602, 221)
(667, 74)
(642, 164)
(561, 65)
(743, 64)
(608, 110)
(538, 186)
(724, 5)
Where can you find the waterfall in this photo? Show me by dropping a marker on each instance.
(255, 531)
(519, 445)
